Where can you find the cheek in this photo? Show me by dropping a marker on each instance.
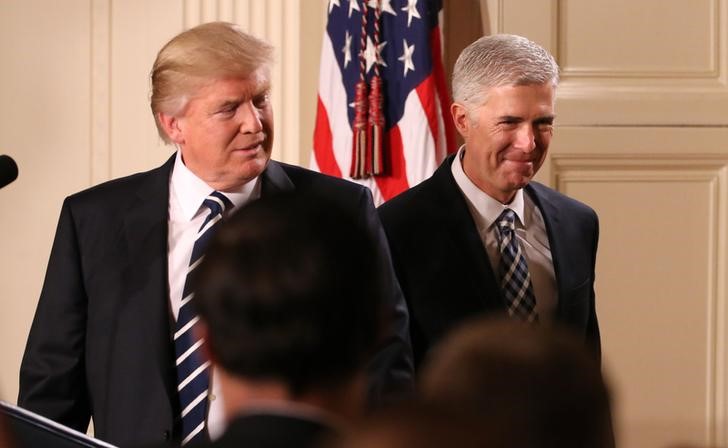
(545, 137)
(266, 117)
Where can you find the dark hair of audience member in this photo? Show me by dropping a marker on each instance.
(288, 291)
(6, 437)
(531, 380)
(428, 425)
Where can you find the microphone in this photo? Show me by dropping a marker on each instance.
(8, 170)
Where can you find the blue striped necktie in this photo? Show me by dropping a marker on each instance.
(193, 372)
(515, 280)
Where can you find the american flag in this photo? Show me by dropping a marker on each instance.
(404, 46)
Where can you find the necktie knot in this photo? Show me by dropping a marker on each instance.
(506, 222)
(218, 204)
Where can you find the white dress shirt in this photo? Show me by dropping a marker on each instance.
(186, 215)
(530, 233)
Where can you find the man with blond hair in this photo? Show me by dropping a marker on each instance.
(479, 236)
(115, 336)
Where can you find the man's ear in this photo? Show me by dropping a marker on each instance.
(460, 118)
(171, 126)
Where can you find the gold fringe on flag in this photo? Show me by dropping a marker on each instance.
(368, 129)
(376, 128)
(359, 148)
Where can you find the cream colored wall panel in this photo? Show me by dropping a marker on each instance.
(226, 10)
(666, 65)
(662, 198)
(209, 10)
(100, 90)
(290, 82)
(648, 38)
(242, 13)
(671, 143)
(44, 125)
(535, 20)
(202, 11)
(139, 28)
(313, 26)
(632, 63)
(657, 318)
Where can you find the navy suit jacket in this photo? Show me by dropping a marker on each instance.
(444, 270)
(100, 342)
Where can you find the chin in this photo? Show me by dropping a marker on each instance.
(255, 167)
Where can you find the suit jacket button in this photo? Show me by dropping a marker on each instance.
(166, 435)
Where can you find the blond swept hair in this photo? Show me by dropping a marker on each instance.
(500, 60)
(206, 52)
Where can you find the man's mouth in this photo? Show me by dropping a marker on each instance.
(517, 160)
(253, 146)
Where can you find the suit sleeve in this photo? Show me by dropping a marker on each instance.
(52, 373)
(593, 337)
(391, 370)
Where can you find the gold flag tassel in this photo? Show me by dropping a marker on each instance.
(359, 149)
(361, 107)
(375, 162)
(376, 128)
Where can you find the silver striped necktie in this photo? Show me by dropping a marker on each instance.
(193, 370)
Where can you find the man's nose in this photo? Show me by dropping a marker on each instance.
(525, 138)
(249, 117)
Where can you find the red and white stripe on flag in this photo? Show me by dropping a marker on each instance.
(418, 130)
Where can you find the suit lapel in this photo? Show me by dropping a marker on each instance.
(468, 248)
(559, 250)
(275, 180)
(145, 229)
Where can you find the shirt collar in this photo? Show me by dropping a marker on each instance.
(488, 208)
(191, 191)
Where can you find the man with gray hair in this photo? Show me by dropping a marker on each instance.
(479, 236)
(115, 335)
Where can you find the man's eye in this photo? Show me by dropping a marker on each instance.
(544, 126)
(261, 100)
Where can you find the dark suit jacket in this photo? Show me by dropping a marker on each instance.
(444, 270)
(271, 431)
(100, 343)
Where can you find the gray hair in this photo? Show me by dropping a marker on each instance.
(500, 60)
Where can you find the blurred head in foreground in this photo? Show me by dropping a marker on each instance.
(531, 381)
(287, 298)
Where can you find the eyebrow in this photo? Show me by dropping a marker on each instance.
(263, 89)
(542, 119)
(230, 102)
(509, 118)
(546, 119)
